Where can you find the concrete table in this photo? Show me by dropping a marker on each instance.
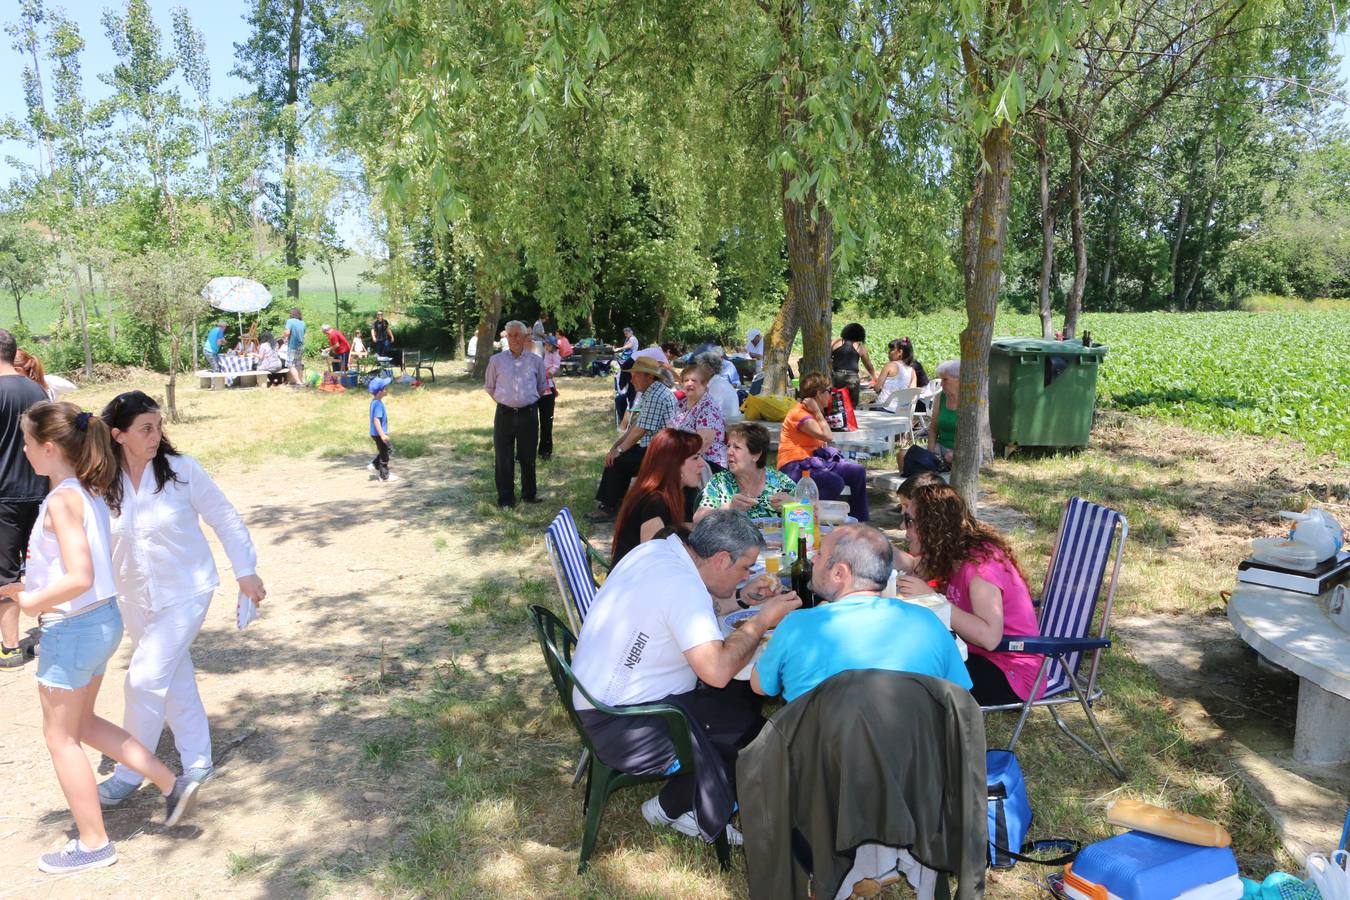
(876, 434)
(1299, 633)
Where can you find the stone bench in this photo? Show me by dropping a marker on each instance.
(215, 381)
(1311, 638)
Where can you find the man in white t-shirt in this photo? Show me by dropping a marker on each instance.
(754, 347)
(652, 636)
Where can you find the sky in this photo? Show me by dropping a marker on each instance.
(222, 22)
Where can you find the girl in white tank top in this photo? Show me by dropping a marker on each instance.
(69, 587)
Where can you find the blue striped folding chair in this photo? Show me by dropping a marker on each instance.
(572, 555)
(1079, 563)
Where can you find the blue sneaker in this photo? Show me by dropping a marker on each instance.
(114, 790)
(72, 859)
(200, 774)
(180, 800)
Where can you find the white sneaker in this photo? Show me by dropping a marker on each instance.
(393, 477)
(685, 824)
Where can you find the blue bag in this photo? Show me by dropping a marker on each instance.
(1009, 808)
(1010, 818)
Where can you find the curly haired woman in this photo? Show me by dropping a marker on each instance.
(984, 583)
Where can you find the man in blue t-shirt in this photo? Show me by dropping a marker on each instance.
(214, 344)
(857, 628)
(295, 341)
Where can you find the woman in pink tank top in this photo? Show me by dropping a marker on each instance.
(985, 585)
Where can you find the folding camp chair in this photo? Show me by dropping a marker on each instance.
(601, 781)
(572, 555)
(1073, 584)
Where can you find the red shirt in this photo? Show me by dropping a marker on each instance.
(564, 347)
(337, 342)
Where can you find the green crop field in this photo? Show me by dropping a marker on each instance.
(1264, 373)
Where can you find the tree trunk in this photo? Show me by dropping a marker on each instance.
(984, 226)
(1183, 215)
(810, 245)
(291, 124)
(662, 318)
(337, 303)
(778, 346)
(1199, 252)
(196, 345)
(1112, 238)
(84, 322)
(1074, 307)
(491, 297)
(170, 389)
(1047, 232)
(18, 307)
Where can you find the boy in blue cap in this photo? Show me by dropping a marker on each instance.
(379, 428)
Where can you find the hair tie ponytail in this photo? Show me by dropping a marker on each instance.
(82, 421)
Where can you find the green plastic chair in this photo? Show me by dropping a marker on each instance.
(557, 642)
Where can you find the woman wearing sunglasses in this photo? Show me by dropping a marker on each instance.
(984, 583)
(165, 576)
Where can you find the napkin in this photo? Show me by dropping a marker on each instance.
(245, 611)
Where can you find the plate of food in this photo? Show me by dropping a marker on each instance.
(733, 620)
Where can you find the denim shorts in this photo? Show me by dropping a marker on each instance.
(73, 651)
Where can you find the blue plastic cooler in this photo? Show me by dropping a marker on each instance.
(1138, 866)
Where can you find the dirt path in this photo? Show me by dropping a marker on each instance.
(293, 703)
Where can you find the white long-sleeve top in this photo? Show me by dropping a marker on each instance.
(159, 552)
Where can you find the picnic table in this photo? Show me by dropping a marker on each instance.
(876, 434)
(234, 368)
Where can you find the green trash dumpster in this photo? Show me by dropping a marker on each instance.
(1041, 393)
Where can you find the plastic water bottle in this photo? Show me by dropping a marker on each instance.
(807, 492)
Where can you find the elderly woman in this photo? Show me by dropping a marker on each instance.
(942, 436)
(983, 582)
(699, 412)
(942, 432)
(804, 444)
(748, 484)
(847, 351)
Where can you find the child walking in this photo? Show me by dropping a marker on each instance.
(70, 589)
(379, 428)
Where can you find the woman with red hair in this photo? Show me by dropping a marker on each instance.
(665, 492)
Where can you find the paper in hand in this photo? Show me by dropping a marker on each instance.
(245, 611)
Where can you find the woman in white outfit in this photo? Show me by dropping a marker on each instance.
(166, 575)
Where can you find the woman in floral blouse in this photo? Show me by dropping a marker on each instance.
(698, 412)
(748, 484)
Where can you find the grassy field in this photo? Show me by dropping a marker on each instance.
(473, 742)
(40, 310)
(1261, 373)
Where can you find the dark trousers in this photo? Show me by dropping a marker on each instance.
(546, 404)
(724, 721)
(340, 361)
(614, 479)
(381, 460)
(515, 435)
(990, 685)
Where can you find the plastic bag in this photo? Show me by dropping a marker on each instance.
(1331, 874)
(767, 407)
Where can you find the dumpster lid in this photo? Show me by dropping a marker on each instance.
(1011, 345)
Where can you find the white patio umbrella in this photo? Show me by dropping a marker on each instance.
(235, 294)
